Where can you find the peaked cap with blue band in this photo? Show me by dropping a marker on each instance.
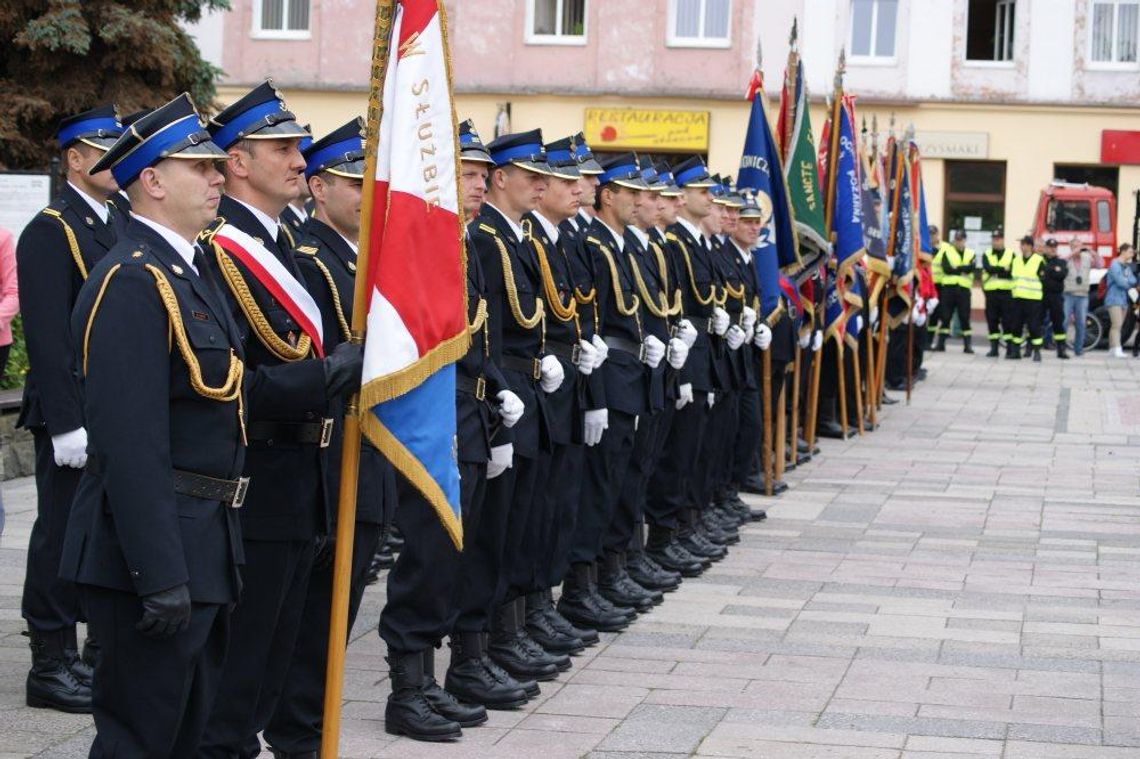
(649, 174)
(98, 127)
(587, 164)
(170, 131)
(692, 173)
(561, 159)
(666, 175)
(260, 114)
(750, 209)
(523, 149)
(340, 152)
(306, 141)
(622, 170)
(471, 147)
(133, 117)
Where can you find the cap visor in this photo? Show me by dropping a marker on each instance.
(280, 130)
(470, 154)
(633, 184)
(699, 183)
(205, 149)
(565, 172)
(535, 166)
(590, 166)
(349, 169)
(102, 143)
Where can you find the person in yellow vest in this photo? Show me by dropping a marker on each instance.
(958, 267)
(1027, 300)
(997, 284)
(939, 246)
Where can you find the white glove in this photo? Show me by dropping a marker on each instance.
(932, 305)
(510, 408)
(858, 323)
(1133, 295)
(748, 318)
(874, 316)
(805, 340)
(552, 374)
(749, 334)
(654, 351)
(711, 399)
(720, 321)
(502, 458)
(587, 357)
(603, 350)
(596, 422)
(684, 395)
(763, 337)
(817, 340)
(918, 316)
(677, 352)
(687, 332)
(735, 337)
(70, 448)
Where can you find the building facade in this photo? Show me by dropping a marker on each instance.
(1004, 95)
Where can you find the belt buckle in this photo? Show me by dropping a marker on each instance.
(537, 371)
(709, 325)
(480, 388)
(239, 494)
(641, 352)
(575, 353)
(326, 432)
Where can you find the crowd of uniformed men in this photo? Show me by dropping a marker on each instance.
(187, 422)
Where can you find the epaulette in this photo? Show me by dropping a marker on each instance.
(207, 234)
(672, 236)
(72, 242)
(308, 250)
(488, 229)
(594, 240)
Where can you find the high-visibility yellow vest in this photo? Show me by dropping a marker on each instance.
(1027, 277)
(954, 259)
(1004, 261)
(936, 262)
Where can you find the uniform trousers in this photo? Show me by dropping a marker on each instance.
(1027, 316)
(715, 461)
(263, 634)
(629, 514)
(484, 532)
(151, 698)
(896, 354)
(605, 466)
(520, 552)
(1055, 308)
(955, 300)
(564, 489)
(49, 603)
(672, 483)
(935, 319)
(750, 433)
(296, 724)
(999, 313)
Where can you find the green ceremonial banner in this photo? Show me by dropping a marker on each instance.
(802, 178)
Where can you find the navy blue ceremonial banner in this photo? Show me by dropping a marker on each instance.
(847, 211)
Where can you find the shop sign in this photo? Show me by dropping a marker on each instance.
(647, 129)
(954, 145)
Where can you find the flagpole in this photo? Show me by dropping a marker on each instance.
(790, 78)
(896, 186)
(781, 436)
(350, 452)
(857, 377)
(867, 334)
(908, 136)
(829, 209)
(766, 451)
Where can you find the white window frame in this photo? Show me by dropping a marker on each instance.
(872, 60)
(717, 43)
(258, 33)
(1112, 65)
(556, 39)
(987, 64)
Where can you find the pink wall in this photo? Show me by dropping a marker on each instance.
(626, 51)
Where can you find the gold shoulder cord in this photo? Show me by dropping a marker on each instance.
(658, 305)
(481, 323)
(663, 267)
(252, 311)
(345, 331)
(619, 300)
(564, 313)
(513, 294)
(706, 300)
(72, 243)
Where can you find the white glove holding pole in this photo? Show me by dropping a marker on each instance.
(720, 321)
(711, 399)
(918, 316)
(684, 396)
(510, 408)
(551, 374)
(931, 305)
(858, 323)
(734, 337)
(1133, 294)
(676, 352)
(70, 448)
(817, 341)
(763, 339)
(654, 351)
(502, 458)
(748, 318)
(874, 316)
(602, 349)
(805, 340)
(687, 332)
(594, 424)
(587, 358)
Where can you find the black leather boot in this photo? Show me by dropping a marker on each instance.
(587, 635)
(663, 547)
(533, 648)
(83, 671)
(51, 683)
(649, 575)
(967, 344)
(508, 650)
(581, 605)
(1037, 354)
(993, 349)
(446, 704)
(1062, 351)
(542, 630)
(408, 711)
(610, 584)
(469, 679)
(941, 346)
(529, 684)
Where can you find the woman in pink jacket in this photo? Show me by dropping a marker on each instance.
(9, 295)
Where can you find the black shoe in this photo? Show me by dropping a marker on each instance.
(508, 649)
(967, 347)
(1062, 353)
(408, 711)
(613, 589)
(941, 346)
(919, 374)
(830, 428)
(993, 349)
(537, 653)
(580, 605)
(51, 683)
(648, 574)
(898, 387)
(694, 543)
(446, 704)
(888, 400)
(1036, 355)
(753, 484)
(542, 630)
(469, 679)
(669, 554)
(82, 666)
(587, 635)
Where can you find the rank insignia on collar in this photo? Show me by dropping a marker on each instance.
(90, 221)
(201, 316)
(176, 269)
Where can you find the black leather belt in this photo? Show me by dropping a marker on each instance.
(567, 351)
(298, 433)
(529, 367)
(230, 492)
(476, 386)
(628, 346)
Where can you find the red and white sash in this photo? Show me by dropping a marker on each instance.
(275, 278)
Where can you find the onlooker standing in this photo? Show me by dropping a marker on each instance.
(1053, 276)
(1121, 292)
(9, 295)
(1076, 306)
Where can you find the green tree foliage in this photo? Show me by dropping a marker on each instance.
(64, 56)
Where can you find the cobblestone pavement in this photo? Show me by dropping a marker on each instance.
(964, 582)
